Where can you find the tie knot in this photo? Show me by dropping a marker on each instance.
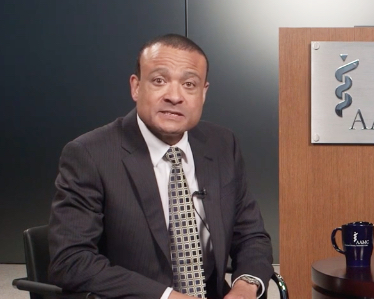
(174, 155)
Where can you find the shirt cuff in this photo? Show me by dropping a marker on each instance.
(166, 293)
(261, 289)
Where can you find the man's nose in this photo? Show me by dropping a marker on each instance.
(174, 93)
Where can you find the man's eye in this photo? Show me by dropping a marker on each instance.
(189, 84)
(158, 81)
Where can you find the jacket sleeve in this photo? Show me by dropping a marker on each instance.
(251, 249)
(76, 230)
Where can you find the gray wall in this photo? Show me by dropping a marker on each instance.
(65, 68)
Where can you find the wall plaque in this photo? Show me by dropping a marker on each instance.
(342, 92)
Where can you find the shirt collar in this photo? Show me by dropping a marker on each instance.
(158, 148)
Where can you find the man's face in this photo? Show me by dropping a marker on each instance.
(171, 92)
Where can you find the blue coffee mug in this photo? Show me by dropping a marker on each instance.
(357, 238)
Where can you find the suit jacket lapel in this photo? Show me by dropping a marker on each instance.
(207, 174)
(140, 168)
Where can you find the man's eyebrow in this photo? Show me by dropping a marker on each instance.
(189, 74)
(162, 70)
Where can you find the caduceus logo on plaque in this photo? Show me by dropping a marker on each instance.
(340, 75)
(342, 89)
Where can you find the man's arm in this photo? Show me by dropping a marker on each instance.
(251, 250)
(76, 229)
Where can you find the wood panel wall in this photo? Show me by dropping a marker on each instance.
(320, 186)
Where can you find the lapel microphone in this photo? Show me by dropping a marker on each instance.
(200, 193)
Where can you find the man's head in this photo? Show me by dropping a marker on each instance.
(175, 41)
(170, 86)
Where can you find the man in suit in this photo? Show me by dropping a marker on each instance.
(110, 226)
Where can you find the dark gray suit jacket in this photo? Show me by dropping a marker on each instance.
(107, 228)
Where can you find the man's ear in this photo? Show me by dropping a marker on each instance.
(206, 86)
(134, 86)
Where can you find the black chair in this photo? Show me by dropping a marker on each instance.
(37, 260)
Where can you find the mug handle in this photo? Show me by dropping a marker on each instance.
(334, 242)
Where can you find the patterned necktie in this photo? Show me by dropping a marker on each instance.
(185, 248)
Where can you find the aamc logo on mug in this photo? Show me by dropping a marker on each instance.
(357, 242)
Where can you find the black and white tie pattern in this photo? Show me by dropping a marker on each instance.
(185, 247)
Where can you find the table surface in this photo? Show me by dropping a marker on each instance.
(332, 275)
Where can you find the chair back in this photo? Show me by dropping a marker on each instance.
(35, 241)
(37, 263)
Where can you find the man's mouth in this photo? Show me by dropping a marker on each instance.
(172, 113)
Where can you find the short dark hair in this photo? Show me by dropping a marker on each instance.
(175, 41)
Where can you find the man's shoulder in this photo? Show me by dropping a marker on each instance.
(111, 132)
(213, 137)
(101, 134)
(212, 130)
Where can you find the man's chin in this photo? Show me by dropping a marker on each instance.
(170, 137)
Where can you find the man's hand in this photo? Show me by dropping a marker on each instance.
(242, 290)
